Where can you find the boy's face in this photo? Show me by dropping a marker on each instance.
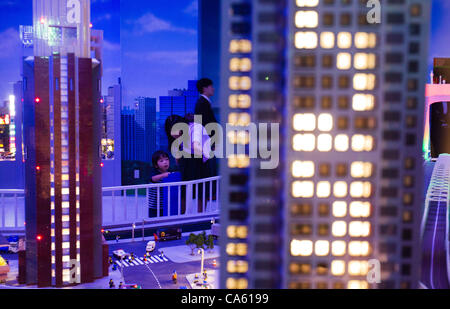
(163, 164)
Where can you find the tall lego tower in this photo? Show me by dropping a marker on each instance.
(347, 91)
(62, 88)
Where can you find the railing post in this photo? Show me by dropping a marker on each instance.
(125, 204)
(136, 202)
(168, 201)
(179, 199)
(15, 211)
(158, 204)
(113, 207)
(132, 232)
(3, 209)
(143, 223)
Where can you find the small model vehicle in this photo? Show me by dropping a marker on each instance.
(150, 246)
(169, 233)
(121, 254)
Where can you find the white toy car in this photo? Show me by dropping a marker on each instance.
(120, 254)
(150, 246)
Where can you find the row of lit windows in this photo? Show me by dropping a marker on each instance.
(239, 249)
(237, 266)
(361, 61)
(328, 40)
(240, 64)
(238, 137)
(239, 231)
(238, 161)
(351, 284)
(305, 189)
(240, 46)
(239, 119)
(240, 83)
(361, 81)
(239, 101)
(338, 268)
(307, 142)
(360, 102)
(357, 209)
(233, 283)
(305, 169)
(325, 247)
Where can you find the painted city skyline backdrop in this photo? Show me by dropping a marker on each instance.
(151, 45)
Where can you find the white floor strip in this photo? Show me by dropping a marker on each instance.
(125, 263)
(154, 260)
(139, 261)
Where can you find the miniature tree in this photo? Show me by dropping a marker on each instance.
(200, 241)
(192, 242)
(210, 242)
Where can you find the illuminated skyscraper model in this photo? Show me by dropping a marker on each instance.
(348, 93)
(62, 148)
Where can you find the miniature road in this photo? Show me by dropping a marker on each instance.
(156, 273)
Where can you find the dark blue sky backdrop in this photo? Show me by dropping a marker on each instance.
(151, 44)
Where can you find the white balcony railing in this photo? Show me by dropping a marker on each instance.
(125, 205)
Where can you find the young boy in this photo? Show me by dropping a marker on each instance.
(160, 170)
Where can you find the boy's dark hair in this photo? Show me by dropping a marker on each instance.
(158, 155)
(203, 83)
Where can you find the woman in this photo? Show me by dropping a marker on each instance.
(194, 164)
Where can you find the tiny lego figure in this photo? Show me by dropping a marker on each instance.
(117, 238)
(111, 284)
(132, 256)
(162, 254)
(121, 285)
(205, 275)
(110, 260)
(174, 277)
(114, 267)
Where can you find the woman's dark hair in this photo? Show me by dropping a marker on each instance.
(203, 83)
(158, 155)
(170, 122)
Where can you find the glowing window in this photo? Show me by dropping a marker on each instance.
(338, 268)
(344, 61)
(339, 228)
(358, 248)
(301, 247)
(240, 46)
(322, 248)
(240, 83)
(303, 169)
(360, 209)
(241, 249)
(363, 102)
(325, 122)
(302, 189)
(362, 81)
(240, 64)
(327, 40)
(233, 283)
(307, 3)
(324, 142)
(239, 119)
(323, 189)
(339, 209)
(306, 19)
(357, 284)
(304, 142)
(365, 40)
(306, 40)
(358, 268)
(362, 142)
(359, 228)
(338, 247)
(340, 189)
(238, 161)
(344, 40)
(360, 189)
(363, 61)
(361, 169)
(239, 101)
(304, 122)
(341, 142)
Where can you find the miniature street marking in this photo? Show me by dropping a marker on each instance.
(158, 258)
(118, 263)
(140, 262)
(165, 260)
(155, 260)
(125, 263)
(134, 262)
